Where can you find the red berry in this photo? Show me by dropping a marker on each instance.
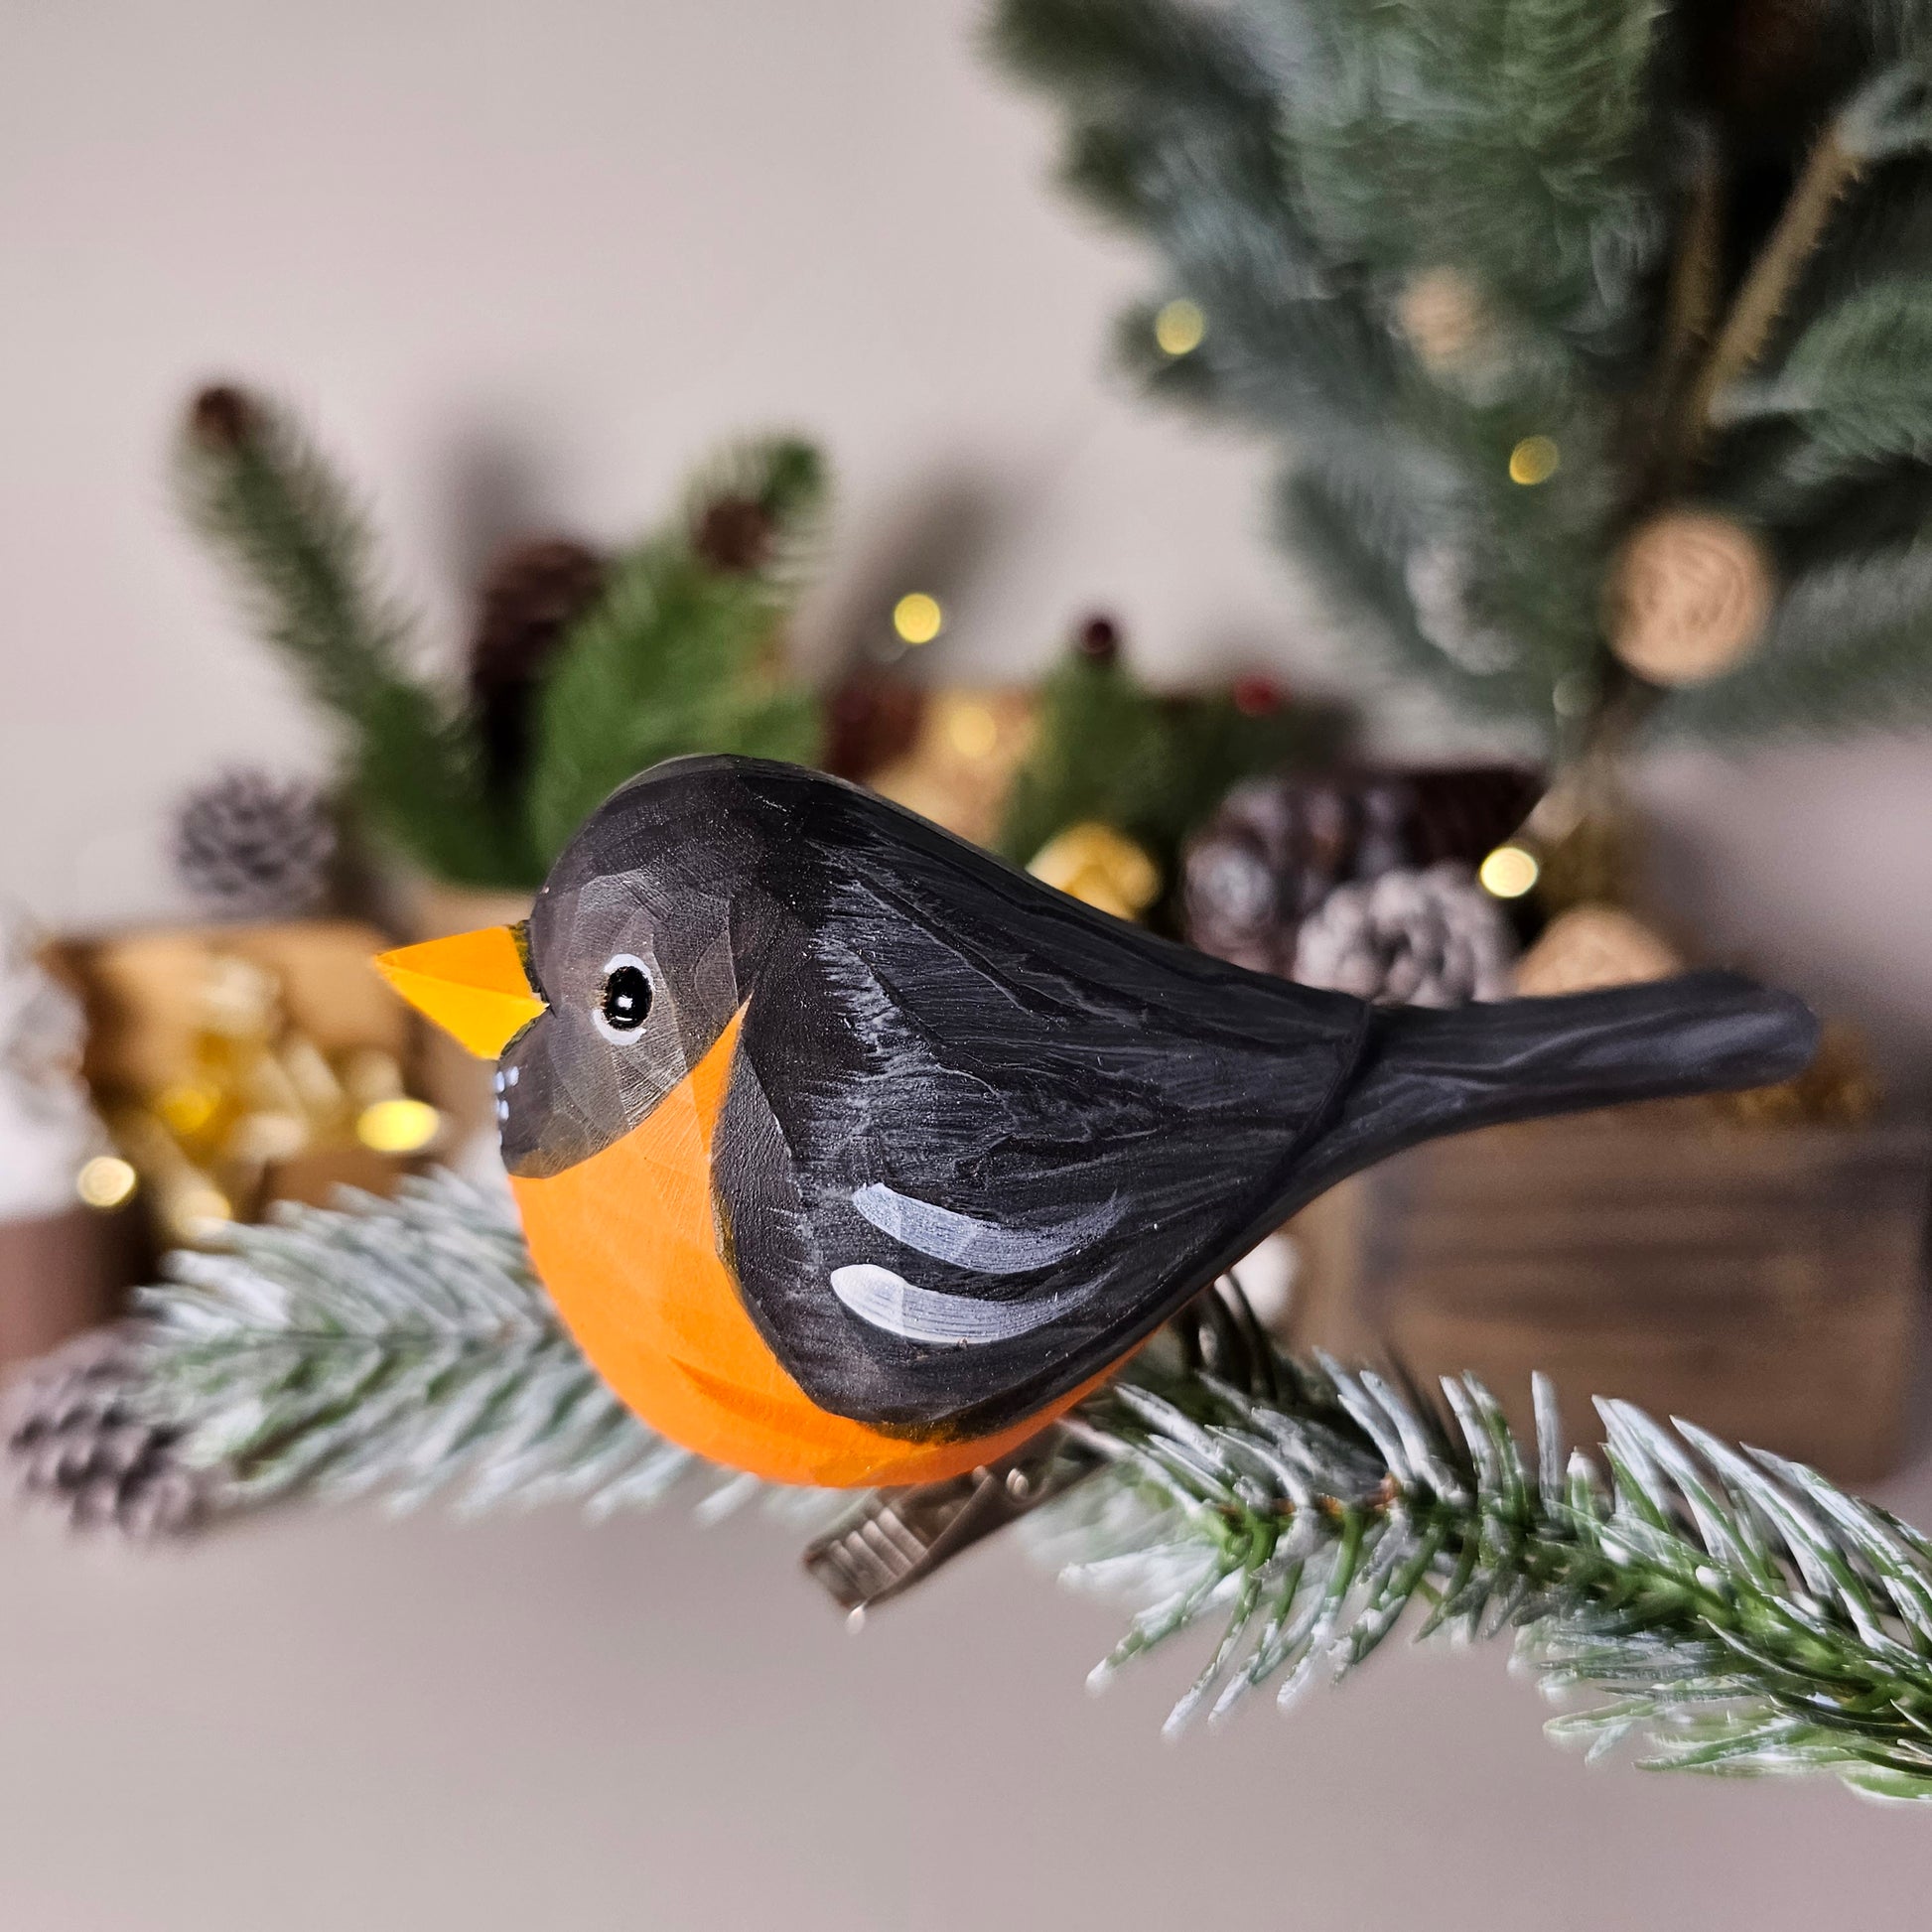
(1256, 696)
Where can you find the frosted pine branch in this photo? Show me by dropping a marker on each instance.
(401, 1348)
(1737, 1612)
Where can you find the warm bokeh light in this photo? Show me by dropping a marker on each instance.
(1508, 871)
(197, 1211)
(1534, 460)
(187, 1107)
(917, 617)
(398, 1126)
(1180, 327)
(106, 1182)
(973, 729)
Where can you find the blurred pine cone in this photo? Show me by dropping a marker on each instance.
(1431, 939)
(1279, 846)
(249, 845)
(735, 535)
(74, 1436)
(531, 596)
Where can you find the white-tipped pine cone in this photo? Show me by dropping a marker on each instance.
(1431, 939)
(74, 1436)
(251, 846)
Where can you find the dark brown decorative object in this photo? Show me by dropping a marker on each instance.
(872, 720)
(1279, 846)
(223, 417)
(63, 1273)
(735, 534)
(1763, 1282)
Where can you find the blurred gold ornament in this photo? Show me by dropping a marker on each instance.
(1591, 946)
(1101, 868)
(1535, 460)
(244, 1064)
(1180, 327)
(1690, 596)
(1442, 317)
(966, 746)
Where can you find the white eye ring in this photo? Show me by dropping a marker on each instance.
(620, 1036)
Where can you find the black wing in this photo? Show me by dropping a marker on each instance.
(982, 1139)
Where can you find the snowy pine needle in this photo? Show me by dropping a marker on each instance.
(401, 1348)
(1741, 1613)
(1737, 1612)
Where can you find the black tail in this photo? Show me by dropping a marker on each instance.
(1426, 1073)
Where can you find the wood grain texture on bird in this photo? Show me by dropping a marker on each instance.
(852, 1155)
(686, 1355)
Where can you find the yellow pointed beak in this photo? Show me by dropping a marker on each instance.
(474, 985)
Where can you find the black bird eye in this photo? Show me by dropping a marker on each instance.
(626, 997)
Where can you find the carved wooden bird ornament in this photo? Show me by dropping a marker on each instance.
(852, 1156)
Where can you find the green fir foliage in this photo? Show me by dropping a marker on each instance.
(1312, 172)
(1151, 764)
(298, 547)
(1737, 1612)
(679, 654)
(673, 658)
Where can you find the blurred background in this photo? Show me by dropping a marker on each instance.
(766, 327)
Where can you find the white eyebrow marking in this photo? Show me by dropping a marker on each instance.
(966, 1242)
(890, 1301)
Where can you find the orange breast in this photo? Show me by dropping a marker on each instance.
(628, 1244)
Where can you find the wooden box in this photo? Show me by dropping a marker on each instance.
(1763, 1282)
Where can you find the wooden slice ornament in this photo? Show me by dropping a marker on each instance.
(1442, 317)
(1690, 595)
(1591, 946)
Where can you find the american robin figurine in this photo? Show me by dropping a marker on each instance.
(852, 1156)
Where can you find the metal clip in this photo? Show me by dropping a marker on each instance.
(896, 1538)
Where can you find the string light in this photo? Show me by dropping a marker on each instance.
(1508, 871)
(106, 1182)
(1534, 460)
(1180, 327)
(917, 617)
(398, 1125)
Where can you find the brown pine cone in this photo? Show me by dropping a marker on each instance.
(735, 535)
(73, 1436)
(223, 417)
(532, 594)
(1279, 846)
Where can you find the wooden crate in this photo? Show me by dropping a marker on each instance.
(1763, 1282)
